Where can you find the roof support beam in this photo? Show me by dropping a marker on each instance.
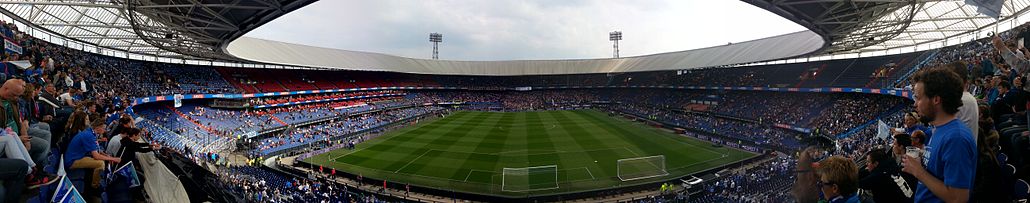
(230, 6)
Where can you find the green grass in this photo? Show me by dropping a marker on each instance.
(467, 151)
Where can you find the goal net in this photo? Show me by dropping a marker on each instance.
(641, 168)
(529, 178)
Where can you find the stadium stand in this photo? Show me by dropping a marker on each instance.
(203, 137)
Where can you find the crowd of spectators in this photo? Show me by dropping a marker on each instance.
(766, 181)
(263, 185)
(313, 97)
(328, 132)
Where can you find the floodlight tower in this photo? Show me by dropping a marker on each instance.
(615, 37)
(436, 38)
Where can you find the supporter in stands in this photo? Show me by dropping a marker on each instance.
(77, 122)
(68, 98)
(130, 145)
(967, 113)
(1002, 105)
(14, 148)
(1018, 62)
(919, 139)
(885, 180)
(114, 144)
(36, 139)
(898, 147)
(838, 180)
(12, 173)
(84, 152)
(951, 156)
(49, 96)
(119, 131)
(989, 184)
(912, 124)
(39, 131)
(805, 188)
(118, 122)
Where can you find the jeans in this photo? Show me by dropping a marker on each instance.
(12, 173)
(40, 133)
(13, 148)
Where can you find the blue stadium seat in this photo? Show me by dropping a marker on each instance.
(118, 191)
(1002, 158)
(78, 178)
(1021, 190)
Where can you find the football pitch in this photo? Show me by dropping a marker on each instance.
(524, 154)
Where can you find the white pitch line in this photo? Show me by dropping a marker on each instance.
(591, 174)
(412, 161)
(467, 176)
(631, 151)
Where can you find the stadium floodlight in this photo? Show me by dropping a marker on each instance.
(615, 36)
(529, 178)
(436, 38)
(641, 168)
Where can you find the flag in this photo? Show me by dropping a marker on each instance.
(883, 131)
(65, 192)
(129, 172)
(73, 196)
(178, 100)
(990, 8)
(63, 187)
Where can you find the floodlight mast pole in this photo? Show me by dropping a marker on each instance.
(436, 38)
(615, 36)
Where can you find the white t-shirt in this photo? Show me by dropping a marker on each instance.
(68, 81)
(65, 97)
(82, 85)
(113, 144)
(969, 113)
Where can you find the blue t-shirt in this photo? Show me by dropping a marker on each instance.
(951, 157)
(81, 145)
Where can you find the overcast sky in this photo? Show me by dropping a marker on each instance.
(522, 30)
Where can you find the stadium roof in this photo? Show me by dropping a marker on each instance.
(857, 26)
(269, 51)
(209, 29)
(187, 29)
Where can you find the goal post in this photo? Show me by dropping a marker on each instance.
(641, 168)
(529, 178)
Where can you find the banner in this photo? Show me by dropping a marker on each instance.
(250, 134)
(11, 46)
(523, 88)
(882, 130)
(990, 8)
(178, 100)
(129, 172)
(66, 192)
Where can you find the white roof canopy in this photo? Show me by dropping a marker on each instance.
(777, 47)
